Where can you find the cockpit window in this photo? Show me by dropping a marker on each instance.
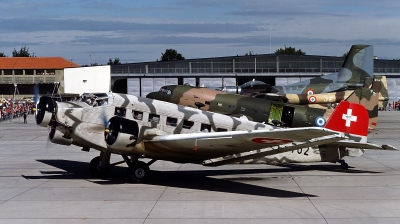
(166, 91)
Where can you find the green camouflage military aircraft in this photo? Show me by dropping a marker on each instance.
(262, 110)
(357, 67)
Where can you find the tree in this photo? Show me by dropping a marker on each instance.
(171, 55)
(290, 50)
(115, 62)
(23, 52)
(2, 54)
(249, 54)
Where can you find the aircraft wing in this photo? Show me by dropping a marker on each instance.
(202, 146)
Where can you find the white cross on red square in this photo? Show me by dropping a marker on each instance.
(349, 118)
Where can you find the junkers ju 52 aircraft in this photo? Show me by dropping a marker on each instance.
(144, 128)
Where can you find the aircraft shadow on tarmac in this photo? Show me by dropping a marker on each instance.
(196, 179)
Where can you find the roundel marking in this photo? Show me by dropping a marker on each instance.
(310, 91)
(312, 99)
(320, 121)
(271, 140)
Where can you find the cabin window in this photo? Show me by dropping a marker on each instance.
(102, 102)
(231, 107)
(207, 102)
(137, 115)
(221, 130)
(254, 111)
(242, 109)
(205, 128)
(120, 111)
(266, 113)
(154, 118)
(171, 121)
(187, 124)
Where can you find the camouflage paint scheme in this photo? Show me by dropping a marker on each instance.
(301, 99)
(357, 66)
(114, 128)
(262, 110)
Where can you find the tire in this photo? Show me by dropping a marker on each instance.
(344, 165)
(94, 168)
(139, 172)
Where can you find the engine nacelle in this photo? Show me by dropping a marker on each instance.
(56, 137)
(44, 111)
(121, 134)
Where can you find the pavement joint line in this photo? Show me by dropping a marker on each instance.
(24, 192)
(308, 198)
(379, 163)
(158, 199)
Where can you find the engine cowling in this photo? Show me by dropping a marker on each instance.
(121, 134)
(44, 111)
(56, 137)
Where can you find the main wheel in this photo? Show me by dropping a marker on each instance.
(96, 170)
(344, 165)
(138, 172)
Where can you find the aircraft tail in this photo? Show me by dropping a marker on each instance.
(349, 118)
(358, 65)
(383, 94)
(368, 96)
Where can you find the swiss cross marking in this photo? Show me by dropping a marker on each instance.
(349, 118)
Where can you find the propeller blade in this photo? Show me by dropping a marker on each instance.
(36, 92)
(104, 118)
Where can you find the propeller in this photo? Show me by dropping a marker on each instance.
(44, 111)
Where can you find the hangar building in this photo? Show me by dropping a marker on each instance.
(275, 69)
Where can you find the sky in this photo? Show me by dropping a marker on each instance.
(94, 31)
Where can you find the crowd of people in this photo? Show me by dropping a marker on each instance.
(394, 106)
(11, 109)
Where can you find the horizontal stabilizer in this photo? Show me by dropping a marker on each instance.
(360, 145)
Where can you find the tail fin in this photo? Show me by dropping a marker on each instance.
(383, 93)
(350, 118)
(369, 98)
(358, 65)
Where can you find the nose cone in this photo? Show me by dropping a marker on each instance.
(151, 95)
(157, 96)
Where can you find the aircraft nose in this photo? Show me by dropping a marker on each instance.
(151, 95)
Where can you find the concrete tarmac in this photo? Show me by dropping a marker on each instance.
(41, 182)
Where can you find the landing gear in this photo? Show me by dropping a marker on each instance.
(100, 166)
(97, 170)
(344, 165)
(138, 171)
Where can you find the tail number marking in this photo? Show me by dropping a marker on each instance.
(299, 151)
